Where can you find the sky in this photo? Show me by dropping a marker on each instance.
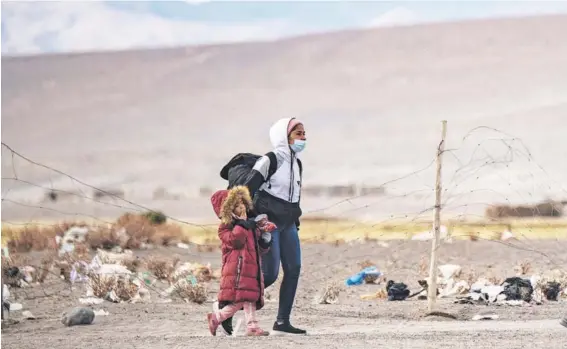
(30, 28)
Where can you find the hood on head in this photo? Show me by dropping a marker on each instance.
(279, 135)
(225, 201)
(217, 200)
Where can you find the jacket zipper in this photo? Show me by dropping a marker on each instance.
(291, 175)
(238, 271)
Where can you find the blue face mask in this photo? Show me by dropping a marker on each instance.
(297, 146)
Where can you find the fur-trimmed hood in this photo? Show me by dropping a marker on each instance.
(225, 201)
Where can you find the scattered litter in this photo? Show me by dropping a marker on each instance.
(330, 294)
(78, 316)
(72, 236)
(182, 245)
(516, 303)
(360, 277)
(516, 288)
(105, 257)
(479, 284)
(91, 300)
(381, 294)
(397, 291)
(452, 289)
(191, 291)
(101, 312)
(26, 314)
(485, 316)
(490, 293)
(203, 273)
(143, 296)
(16, 306)
(449, 271)
(551, 291)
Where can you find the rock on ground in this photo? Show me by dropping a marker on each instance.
(78, 316)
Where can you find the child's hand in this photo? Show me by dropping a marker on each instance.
(267, 227)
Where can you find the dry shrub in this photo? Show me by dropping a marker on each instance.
(29, 237)
(523, 268)
(167, 234)
(101, 285)
(81, 251)
(103, 237)
(495, 280)
(470, 277)
(330, 294)
(366, 263)
(34, 237)
(138, 229)
(46, 264)
(546, 208)
(163, 269)
(125, 289)
(64, 269)
(196, 293)
(203, 274)
(131, 264)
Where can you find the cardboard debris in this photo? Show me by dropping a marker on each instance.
(381, 294)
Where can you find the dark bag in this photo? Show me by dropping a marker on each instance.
(516, 288)
(236, 171)
(397, 291)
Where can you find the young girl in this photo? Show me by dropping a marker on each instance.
(243, 242)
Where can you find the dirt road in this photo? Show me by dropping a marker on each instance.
(351, 323)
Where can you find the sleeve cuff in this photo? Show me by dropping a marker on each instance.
(267, 237)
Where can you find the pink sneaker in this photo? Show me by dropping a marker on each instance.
(256, 332)
(213, 323)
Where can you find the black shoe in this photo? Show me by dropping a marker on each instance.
(227, 326)
(286, 328)
(564, 321)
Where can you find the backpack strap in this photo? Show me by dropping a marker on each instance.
(273, 164)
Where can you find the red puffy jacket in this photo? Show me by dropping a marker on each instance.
(241, 275)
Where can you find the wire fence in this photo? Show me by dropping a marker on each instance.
(490, 222)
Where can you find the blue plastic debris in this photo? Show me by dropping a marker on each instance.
(358, 279)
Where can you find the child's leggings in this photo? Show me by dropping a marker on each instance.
(249, 313)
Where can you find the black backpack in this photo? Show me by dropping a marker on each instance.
(237, 169)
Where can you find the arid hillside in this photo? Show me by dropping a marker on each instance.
(372, 101)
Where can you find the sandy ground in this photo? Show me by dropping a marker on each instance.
(351, 323)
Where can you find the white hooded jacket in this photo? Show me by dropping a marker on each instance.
(285, 183)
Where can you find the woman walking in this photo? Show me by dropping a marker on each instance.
(279, 197)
